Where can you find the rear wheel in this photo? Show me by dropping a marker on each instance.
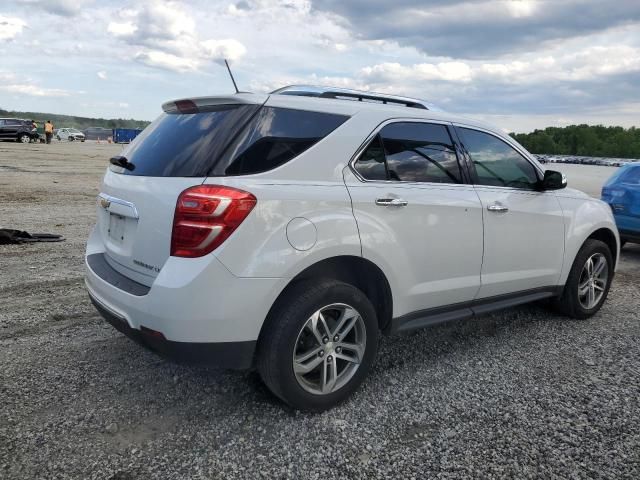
(319, 343)
(24, 138)
(589, 281)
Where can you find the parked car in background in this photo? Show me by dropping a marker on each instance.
(18, 130)
(622, 193)
(288, 230)
(70, 134)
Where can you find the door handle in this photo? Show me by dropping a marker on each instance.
(496, 207)
(391, 202)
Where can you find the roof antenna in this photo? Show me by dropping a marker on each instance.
(231, 75)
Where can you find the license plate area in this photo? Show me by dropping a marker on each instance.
(116, 228)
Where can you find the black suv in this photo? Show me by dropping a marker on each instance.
(17, 129)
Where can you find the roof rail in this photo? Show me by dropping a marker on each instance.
(353, 95)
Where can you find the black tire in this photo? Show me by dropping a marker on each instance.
(281, 332)
(568, 303)
(58, 137)
(21, 138)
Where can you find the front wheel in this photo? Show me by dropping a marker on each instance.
(589, 281)
(319, 343)
(24, 138)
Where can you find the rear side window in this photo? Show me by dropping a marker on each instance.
(372, 163)
(275, 136)
(186, 145)
(412, 152)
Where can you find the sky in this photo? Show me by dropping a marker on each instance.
(519, 64)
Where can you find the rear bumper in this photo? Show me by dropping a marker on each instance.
(202, 311)
(232, 355)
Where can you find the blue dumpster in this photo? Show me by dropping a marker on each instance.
(125, 135)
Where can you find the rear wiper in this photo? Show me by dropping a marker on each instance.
(121, 161)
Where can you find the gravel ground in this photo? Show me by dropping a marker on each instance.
(519, 394)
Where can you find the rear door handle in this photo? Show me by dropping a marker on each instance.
(391, 202)
(496, 207)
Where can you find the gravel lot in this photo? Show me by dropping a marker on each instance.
(519, 394)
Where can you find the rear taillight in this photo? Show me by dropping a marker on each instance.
(205, 217)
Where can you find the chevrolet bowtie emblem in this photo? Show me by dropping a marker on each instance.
(104, 203)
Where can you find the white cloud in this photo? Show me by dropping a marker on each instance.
(35, 91)
(121, 29)
(10, 27)
(166, 35)
(445, 71)
(167, 61)
(229, 49)
(102, 75)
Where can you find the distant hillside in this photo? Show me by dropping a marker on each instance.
(584, 140)
(76, 122)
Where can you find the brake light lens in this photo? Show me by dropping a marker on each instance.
(205, 217)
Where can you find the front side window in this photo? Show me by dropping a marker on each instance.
(497, 163)
(631, 176)
(411, 152)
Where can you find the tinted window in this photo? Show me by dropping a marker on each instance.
(275, 136)
(632, 175)
(371, 164)
(185, 145)
(13, 122)
(497, 163)
(420, 152)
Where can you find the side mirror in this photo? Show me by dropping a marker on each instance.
(553, 180)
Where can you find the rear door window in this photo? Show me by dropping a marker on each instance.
(274, 137)
(411, 152)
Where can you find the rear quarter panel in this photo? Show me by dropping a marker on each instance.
(260, 247)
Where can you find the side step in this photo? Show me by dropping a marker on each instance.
(461, 311)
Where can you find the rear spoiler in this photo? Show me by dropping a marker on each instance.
(199, 104)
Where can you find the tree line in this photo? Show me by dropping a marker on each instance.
(585, 140)
(70, 121)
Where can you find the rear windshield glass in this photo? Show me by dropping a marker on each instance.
(185, 145)
(231, 140)
(275, 136)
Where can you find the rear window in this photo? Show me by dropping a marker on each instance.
(185, 145)
(230, 140)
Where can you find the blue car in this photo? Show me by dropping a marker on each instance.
(622, 193)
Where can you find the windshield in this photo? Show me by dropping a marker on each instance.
(74, 130)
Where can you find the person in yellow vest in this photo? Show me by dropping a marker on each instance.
(48, 130)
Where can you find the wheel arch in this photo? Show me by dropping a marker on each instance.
(357, 271)
(609, 238)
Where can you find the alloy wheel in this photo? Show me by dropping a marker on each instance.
(593, 281)
(329, 349)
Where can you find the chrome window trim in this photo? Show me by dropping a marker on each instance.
(376, 131)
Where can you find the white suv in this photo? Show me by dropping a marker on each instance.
(70, 134)
(286, 231)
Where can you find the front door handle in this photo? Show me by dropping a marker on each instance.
(391, 202)
(496, 207)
